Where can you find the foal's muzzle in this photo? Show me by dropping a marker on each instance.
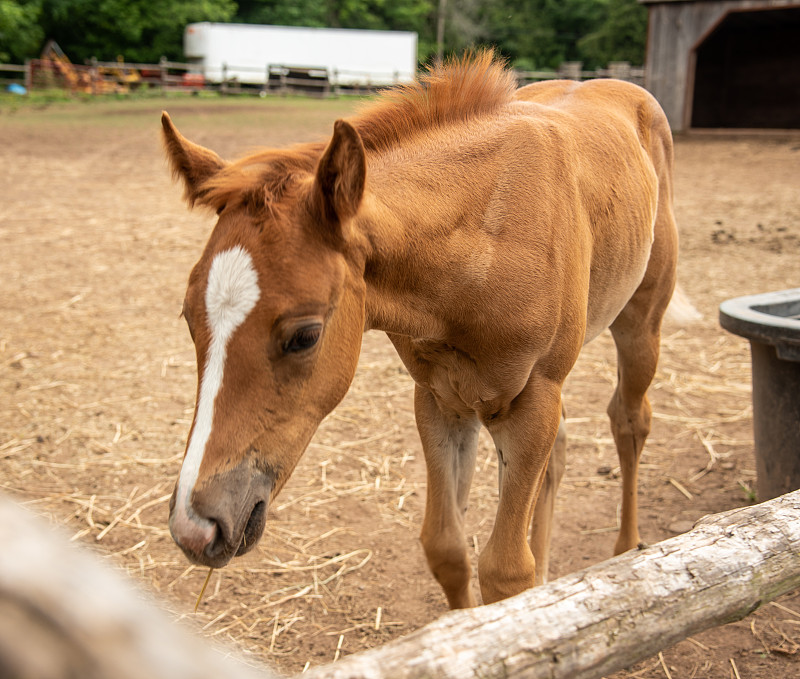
(225, 516)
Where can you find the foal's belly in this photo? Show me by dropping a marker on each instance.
(605, 305)
(487, 381)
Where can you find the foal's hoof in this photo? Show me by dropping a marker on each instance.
(642, 545)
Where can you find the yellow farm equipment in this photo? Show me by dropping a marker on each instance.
(54, 68)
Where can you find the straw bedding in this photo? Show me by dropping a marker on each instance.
(97, 389)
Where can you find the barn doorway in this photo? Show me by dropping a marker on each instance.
(747, 72)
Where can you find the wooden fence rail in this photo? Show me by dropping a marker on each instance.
(609, 616)
(98, 77)
(12, 73)
(63, 614)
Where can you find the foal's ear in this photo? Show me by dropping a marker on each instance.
(341, 173)
(192, 163)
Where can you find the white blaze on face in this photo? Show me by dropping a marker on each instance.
(231, 293)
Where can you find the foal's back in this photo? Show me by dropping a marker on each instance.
(601, 151)
(594, 101)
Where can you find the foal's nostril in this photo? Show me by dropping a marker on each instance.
(217, 547)
(223, 518)
(192, 533)
(253, 528)
(255, 524)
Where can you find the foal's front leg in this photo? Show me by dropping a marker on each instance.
(524, 437)
(542, 524)
(450, 442)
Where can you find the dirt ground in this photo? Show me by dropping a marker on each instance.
(97, 386)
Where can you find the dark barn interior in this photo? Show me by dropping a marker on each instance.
(748, 72)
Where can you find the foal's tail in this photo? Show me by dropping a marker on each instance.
(680, 310)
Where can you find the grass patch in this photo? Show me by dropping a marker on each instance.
(58, 105)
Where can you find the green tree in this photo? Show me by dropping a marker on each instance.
(545, 33)
(139, 30)
(522, 31)
(621, 36)
(539, 33)
(530, 33)
(281, 13)
(20, 32)
(394, 15)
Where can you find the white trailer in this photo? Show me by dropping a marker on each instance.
(245, 52)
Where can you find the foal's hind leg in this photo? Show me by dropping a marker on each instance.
(450, 443)
(637, 333)
(542, 525)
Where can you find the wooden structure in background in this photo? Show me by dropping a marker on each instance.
(725, 63)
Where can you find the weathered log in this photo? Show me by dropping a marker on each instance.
(611, 615)
(66, 615)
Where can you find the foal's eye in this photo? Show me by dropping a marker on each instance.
(303, 338)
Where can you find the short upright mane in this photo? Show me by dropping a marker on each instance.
(459, 90)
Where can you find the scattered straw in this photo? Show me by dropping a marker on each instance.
(680, 488)
(98, 383)
(274, 631)
(698, 644)
(664, 665)
(338, 648)
(783, 608)
(758, 636)
(203, 589)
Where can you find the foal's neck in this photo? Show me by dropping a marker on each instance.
(424, 220)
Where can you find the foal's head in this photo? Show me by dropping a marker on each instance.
(275, 307)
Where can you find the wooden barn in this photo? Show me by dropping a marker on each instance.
(725, 63)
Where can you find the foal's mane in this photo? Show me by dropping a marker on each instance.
(457, 91)
(461, 89)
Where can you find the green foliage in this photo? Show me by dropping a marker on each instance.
(749, 493)
(20, 32)
(532, 34)
(544, 33)
(396, 15)
(280, 13)
(621, 36)
(139, 30)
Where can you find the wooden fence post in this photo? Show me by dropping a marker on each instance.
(162, 72)
(571, 70)
(94, 74)
(620, 70)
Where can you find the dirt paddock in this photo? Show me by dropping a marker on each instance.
(97, 386)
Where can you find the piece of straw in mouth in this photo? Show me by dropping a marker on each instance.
(203, 590)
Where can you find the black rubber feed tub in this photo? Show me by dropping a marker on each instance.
(772, 324)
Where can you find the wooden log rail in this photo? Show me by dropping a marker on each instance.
(65, 614)
(60, 607)
(608, 616)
